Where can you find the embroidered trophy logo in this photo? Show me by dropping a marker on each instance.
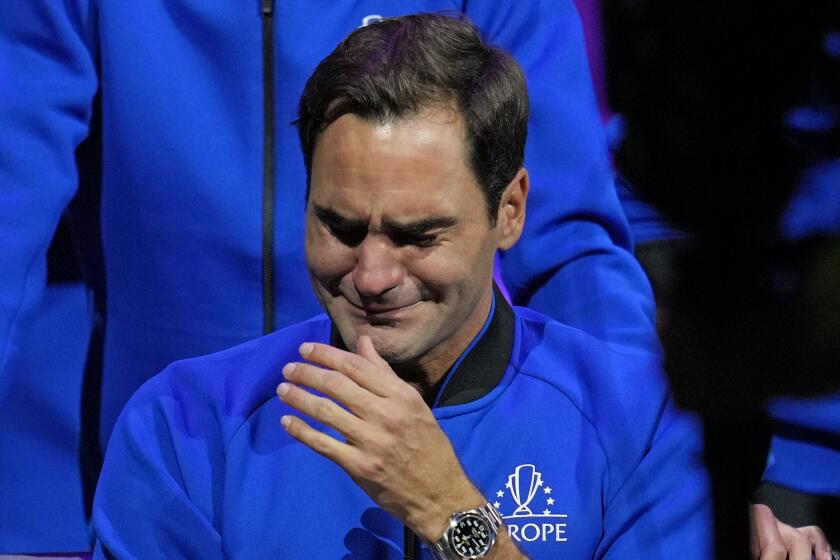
(524, 492)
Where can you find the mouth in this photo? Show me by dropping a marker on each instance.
(383, 311)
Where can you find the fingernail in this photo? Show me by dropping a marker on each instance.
(289, 368)
(305, 349)
(282, 389)
(285, 421)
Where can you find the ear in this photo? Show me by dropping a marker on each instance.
(511, 217)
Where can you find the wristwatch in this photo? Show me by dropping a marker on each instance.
(471, 534)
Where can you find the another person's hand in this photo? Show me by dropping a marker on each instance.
(770, 539)
(393, 449)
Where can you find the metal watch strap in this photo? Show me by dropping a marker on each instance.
(492, 515)
(442, 549)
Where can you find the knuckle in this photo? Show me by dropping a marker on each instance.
(811, 531)
(353, 364)
(410, 395)
(794, 536)
(320, 445)
(371, 469)
(332, 381)
(323, 408)
(392, 421)
(363, 470)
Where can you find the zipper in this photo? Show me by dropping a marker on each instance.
(411, 548)
(268, 198)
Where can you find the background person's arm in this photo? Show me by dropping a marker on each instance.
(574, 261)
(47, 84)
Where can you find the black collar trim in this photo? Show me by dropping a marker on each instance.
(485, 364)
(482, 369)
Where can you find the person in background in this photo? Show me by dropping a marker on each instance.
(176, 115)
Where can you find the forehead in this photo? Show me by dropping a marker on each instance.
(403, 168)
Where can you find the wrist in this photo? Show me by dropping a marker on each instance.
(431, 526)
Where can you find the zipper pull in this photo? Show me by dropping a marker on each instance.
(267, 7)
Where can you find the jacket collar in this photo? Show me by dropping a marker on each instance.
(482, 364)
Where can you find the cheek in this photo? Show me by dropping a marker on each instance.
(461, 269)
(325, 256)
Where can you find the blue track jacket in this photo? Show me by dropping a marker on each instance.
(178, 89)
(576, 444)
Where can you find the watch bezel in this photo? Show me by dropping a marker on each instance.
(460, 518)
(486, 514)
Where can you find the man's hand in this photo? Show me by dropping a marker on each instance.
(770, 539)
(394, 449)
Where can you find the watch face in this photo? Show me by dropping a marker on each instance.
(471, 536)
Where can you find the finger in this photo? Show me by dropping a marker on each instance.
(755, 546)
(331, 383)
(323, 410)
(338, 452)
(798, 544)
(362, 371)
(770, 541)
(366, 349)
(822, 550)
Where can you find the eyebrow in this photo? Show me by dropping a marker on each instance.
(334, 219)
(419, 227)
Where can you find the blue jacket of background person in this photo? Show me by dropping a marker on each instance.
(180, 102)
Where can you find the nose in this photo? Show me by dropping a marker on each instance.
(378, 268)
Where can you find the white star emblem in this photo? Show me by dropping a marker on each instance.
(547, 490)
(550, 501)
(507, 484)
(500, 493)
(497, 505)
(539, 482)
(546, 512)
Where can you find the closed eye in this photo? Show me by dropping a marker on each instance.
(351, 237)
(422, 233)
(347, 231)
(416, 240)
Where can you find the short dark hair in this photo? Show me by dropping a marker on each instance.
(396, 67)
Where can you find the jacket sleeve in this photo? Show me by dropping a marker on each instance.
(574, 261)
(47, 83)
(662, 510)
(159, 489)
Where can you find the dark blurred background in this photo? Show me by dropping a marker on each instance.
(725, 124)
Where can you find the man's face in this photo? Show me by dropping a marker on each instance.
(398, 242)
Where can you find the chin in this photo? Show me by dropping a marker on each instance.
(393, 349)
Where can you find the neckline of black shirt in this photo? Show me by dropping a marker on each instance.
(481, 369)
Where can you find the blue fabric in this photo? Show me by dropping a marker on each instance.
(805, 449)
(646, 222)
(815, 208)
(199, 467)
(40, 417)
(574, 261)
(181, 96)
